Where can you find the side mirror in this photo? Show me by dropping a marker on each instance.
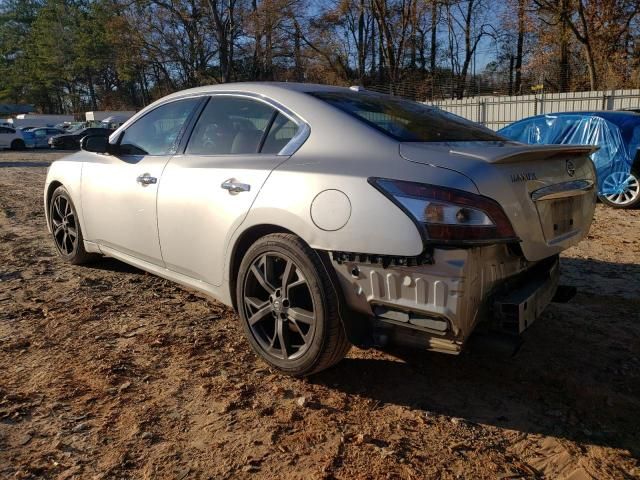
(96, 143)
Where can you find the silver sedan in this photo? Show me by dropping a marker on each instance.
(328, 216)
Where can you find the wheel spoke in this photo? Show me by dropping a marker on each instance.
(59, 228)
(297, 314)
(289, 269)
(56, 206)
(255, 303)
(259, 315)
(261, 277)
(283, 338)
(302, 334)
(63, 244)
(72, 232)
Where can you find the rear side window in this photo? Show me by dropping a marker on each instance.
(406, 121)
(158, 131)
(7, 130)
(281, 133)
(230, 125)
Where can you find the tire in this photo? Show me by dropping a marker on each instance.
(288, 306)
(629, 196)
(17, 144)
(64, 224)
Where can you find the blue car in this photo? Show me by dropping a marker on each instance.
(39, 137)
(616, 133)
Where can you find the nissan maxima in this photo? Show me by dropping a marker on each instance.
(328, 216)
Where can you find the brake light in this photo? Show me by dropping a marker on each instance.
(447, 215)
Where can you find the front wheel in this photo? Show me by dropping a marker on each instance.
(289, 307)
(65, 228)
(621, 190)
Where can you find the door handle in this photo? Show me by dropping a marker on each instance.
(235, 187)
(146, 179)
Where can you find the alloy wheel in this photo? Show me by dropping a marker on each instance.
(279, 306)
(64, 226)
(621, 188)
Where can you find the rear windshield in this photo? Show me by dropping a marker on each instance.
(407, 121)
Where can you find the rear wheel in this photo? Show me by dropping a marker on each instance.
(289, 307)
(625, 188)
(65, 229)
(17, 144)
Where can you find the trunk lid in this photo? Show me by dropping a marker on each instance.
(547, 191)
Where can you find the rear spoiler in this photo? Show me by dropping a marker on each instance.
(523, 153)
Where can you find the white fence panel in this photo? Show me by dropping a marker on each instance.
(496, 112)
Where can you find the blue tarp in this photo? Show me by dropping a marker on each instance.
(616, 133)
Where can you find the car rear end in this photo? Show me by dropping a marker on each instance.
(490, 252)
(490, 257)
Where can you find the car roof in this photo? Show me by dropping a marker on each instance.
(276, 90)
(263, 87)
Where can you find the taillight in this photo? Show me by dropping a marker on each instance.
(447, 215)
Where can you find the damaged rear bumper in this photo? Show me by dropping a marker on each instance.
(438, 305)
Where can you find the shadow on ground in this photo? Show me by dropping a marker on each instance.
(577, 375)
(113, 265)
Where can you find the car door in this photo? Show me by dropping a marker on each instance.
(119, 190)
(6, 135)
(207, 191)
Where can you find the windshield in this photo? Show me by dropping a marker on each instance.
(407, 121)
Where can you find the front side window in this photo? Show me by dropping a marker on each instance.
(407, 121)
(230, 125)
(158, 131)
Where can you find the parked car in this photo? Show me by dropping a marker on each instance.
(328, 217)
(39, 137)
(11, 138)
(71, 140)
(616, 133)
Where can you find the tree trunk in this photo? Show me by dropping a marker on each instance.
(434, 41)
(297, 54)
(564, 48)
(520, 46)
(362, 47)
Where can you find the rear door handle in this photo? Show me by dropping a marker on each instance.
(235, 187)
(146, 179)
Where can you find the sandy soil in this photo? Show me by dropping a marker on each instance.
(108, 372)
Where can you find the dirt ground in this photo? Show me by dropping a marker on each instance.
(109, 372)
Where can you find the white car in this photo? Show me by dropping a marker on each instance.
(328, 217)
(11, 138)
